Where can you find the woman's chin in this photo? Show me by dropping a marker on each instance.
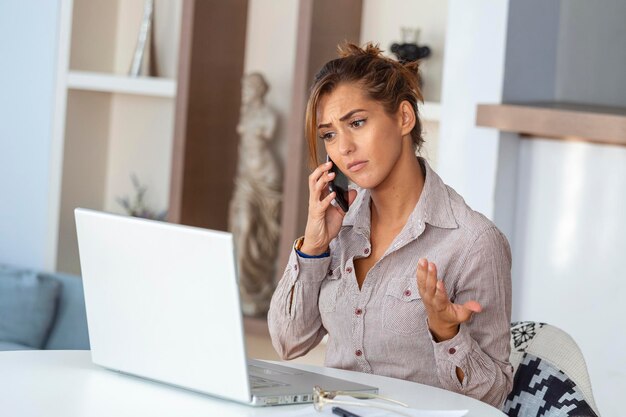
(365, 182)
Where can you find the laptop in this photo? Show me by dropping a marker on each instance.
(163, 304)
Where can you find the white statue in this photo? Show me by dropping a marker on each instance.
(254, 217)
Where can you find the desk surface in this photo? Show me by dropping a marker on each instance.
(66, 383)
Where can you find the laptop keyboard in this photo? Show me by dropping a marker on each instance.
(256, 382)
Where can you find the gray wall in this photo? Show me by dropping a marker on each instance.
(28, 49)
(591, 66)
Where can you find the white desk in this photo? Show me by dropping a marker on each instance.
(67, 384)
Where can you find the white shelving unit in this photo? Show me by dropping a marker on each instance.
(113, 83)
(109, 125)
(382, 23)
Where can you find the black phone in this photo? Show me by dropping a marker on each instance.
(340, 186)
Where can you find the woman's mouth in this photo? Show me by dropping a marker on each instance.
(356, 166)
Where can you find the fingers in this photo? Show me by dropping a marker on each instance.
(422, 274)
(473, 306)
(318, 182)
(319, 172)
(436, 299)
(322, 183)
(431, 280)
(328, 201)
(441, 295)
(426, 279)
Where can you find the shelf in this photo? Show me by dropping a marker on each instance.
(111, 83)
(430, 111)
(565, 121)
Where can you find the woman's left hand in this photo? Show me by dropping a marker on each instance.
(444, 317)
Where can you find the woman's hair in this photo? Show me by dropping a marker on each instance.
(385, 80)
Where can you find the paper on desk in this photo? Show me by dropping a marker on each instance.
(368, 411)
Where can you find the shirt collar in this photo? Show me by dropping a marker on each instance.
(433, 206)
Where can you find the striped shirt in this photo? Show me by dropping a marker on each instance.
(382, 328)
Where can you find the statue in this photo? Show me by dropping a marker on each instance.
(254, 213)
(409, 50)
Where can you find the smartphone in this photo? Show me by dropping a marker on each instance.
(340, 186)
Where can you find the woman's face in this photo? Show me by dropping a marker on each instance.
(359, 136)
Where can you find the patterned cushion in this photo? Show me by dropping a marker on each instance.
(522, 332)
(540, 389)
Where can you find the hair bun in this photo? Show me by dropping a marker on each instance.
(347, 49)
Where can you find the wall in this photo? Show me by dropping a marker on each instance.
(474, 73)
(592, 57)
(570, 239)
(28, 50)
(569, 225)
(270, 50)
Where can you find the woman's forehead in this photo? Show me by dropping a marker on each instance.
(341, 100)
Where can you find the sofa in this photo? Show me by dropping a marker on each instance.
(40, 310)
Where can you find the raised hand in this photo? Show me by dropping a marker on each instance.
(444, 316)
(324, 220)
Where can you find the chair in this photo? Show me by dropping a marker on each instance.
(550, 374)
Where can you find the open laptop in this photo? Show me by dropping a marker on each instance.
(163, 303)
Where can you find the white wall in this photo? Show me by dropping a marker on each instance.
(28, 62)
(270, 50)
(571, 235)
(473, 73)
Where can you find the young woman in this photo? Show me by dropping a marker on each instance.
(410, 283)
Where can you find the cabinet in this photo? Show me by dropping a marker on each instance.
(111, 125)
(176, 131)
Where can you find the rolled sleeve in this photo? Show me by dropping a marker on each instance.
(294, 319)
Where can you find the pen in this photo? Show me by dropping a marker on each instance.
(344, 413)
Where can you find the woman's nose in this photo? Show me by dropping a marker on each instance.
(346, 144)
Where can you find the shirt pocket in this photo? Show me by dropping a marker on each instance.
(404, 312)
(328, 291)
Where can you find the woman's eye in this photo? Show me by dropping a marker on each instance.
(327, 136)
(357, 123)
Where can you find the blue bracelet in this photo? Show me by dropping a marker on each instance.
(304, 255)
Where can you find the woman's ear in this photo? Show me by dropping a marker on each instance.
(407, 117)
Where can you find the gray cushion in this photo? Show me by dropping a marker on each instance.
(13, 346)
(70, 325)
(27, 306)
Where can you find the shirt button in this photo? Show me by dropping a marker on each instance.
(407, 293)
(349, 269)
(358, 352)
(452, 351)
(366, 251)
(295, 267)
(358, 311)
(330, 272)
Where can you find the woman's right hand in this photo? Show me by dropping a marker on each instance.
(324, 220)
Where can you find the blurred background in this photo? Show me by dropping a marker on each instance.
(524, 115)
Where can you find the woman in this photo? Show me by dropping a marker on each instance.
(410, 283)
